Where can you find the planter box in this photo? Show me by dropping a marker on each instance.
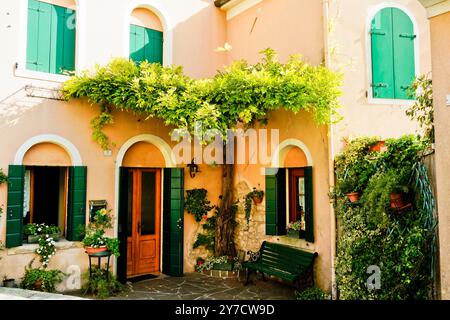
(228, 266)
(293, 234)
(35, 239)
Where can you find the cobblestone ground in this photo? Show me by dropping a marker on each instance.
(195, 286)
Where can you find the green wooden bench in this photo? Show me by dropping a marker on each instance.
(282, 261)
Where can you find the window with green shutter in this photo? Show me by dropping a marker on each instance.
(51, 38)
(146, 44)
(290, 201)
(393, 56)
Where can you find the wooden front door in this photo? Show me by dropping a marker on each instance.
(144, 222)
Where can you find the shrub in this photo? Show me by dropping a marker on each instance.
(101, 284)
(312, 294)
(48, 279)
(197, 203)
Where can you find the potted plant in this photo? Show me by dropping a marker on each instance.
(94, 240)
(349, 187)
(294, 229)
(9, 282)
(34, 231)
(379, 146)
(41, 279)
(255, 196)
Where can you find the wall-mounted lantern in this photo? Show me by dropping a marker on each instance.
(193, 168)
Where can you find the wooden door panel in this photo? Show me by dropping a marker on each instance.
(144, 249)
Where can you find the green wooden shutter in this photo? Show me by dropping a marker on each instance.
(404, 60)
(76, 215)
(14, 210)
(51, 38)
(382, 55)
(275, 201)
(154, 49)
(309, 205)
(173, 220)
(137, 43)
(123, 224)
(63, 40)
(32, 35)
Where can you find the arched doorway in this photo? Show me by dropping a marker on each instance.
(150, 202)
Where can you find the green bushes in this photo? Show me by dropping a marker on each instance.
(312, 294)
(41, 279)
(372, 233)
(102, 284)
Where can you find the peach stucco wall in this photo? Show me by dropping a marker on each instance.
(47, 154)
(146, 18)
(440, 47)
(348, 52)
(288, 26)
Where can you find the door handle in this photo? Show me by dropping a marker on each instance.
(139, 227)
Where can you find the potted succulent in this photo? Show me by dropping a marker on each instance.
(34, 231)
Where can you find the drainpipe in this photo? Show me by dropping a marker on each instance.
(331, 153)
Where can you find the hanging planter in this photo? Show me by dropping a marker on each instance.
(353, 196)
(379, 146)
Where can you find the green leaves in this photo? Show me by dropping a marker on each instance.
(242, 93)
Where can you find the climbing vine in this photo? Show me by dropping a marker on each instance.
(374, 232)
(240, 95)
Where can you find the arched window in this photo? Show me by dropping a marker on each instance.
(393, 56)
(146, 36)
(51, 36)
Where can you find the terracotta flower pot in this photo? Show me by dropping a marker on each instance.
(353, 196)
(257, 200)
(379, 146)
(38, 285)
(397, 200)
(90, 250)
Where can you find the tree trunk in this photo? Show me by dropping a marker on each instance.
(224, 243)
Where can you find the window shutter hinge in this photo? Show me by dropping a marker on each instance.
(410, 36)
(377, 32)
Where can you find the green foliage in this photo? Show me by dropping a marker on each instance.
(3, 177)
(46, 249)
(94, 232)
(312, 294)
(48, 279)
(208, 238)
(242, 93)
(197, 203)
(33, 229)
(371, 233)
(248, 200)
(423, 110)
(100, 284)
(355, 165)
(210, 263)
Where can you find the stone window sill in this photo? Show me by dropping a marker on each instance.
(62, 244)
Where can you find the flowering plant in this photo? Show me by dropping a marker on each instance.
(102, 219)
(46, 249)
(34, 229)
(296, 226)
(94, 233)
(211, 261)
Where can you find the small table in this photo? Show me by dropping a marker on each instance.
(99, 255)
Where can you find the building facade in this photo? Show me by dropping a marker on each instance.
(57, 173)
(439, 15)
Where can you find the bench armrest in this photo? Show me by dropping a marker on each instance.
(254, 256)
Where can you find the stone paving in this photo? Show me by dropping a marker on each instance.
(195, 286)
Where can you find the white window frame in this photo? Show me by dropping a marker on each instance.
(370, 16)
(21, 68)
(158, 9)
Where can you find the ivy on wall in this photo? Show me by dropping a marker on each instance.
(372, 233)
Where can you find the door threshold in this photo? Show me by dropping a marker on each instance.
(142, 277)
